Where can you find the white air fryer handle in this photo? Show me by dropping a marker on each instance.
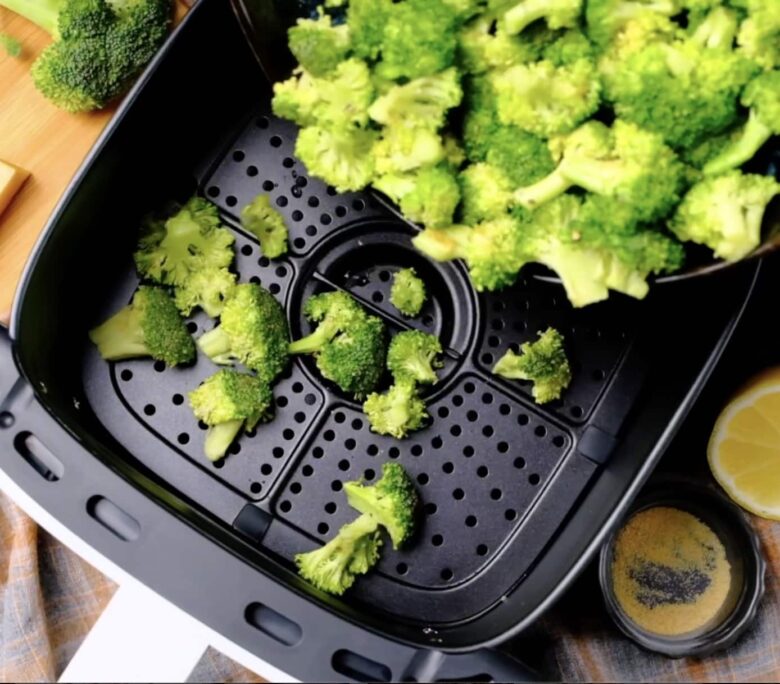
(140, 637)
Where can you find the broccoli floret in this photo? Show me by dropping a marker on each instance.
(606, 18)
(318, 45)
(543, 362)
(544, 99)
(682, 90)
(725, 213)
(483, 47)
(419, 39)
(341, 158)
(428, 196)
(402, 149)
(762, 96)
(625, 162)
(556, 13)
(414, 356)
(10, 45)
(397, 411)
(353, 551)
(208, 288)
(349, 344)
(486, 193)
(267, 225)
(149, 326)
(366, 20)
(191, 242)
(252, 331)
(392, 501)
(407, 293)
(569, 48)
(227, 402)
(423, 102)
(717, 29)
(340, 99)
(759, 34)
(99, 46)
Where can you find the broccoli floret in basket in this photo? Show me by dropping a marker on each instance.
(407, 293)
(397, 411)
(414, 355)
(267, 225)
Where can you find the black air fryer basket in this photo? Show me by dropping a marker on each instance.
(516, 497)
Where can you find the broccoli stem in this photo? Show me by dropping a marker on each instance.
(420, 368)
(523, 14)
(718, 30)
(311, 343)
(121, 336)
(754, 135)
(216, 345)
(220, 437)
(599, 177)
(543, 191)
(44, 13)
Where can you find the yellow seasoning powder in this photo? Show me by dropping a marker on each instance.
(670, 573)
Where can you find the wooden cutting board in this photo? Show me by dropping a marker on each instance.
(37, 136)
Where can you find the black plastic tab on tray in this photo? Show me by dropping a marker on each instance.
(596, 445)
(252, 522)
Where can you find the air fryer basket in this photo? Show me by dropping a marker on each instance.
(516, 497)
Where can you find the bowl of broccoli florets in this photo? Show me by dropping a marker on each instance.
(613, 142)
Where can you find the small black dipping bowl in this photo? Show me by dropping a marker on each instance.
(743, 551)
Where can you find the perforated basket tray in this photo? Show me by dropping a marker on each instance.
(516, 496)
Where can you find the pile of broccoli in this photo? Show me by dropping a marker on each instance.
(543, 362)
(412, 360)
(99, 47)
(591, 136)
(391, 503)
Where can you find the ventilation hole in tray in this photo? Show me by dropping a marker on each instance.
(323, 528)
(150, 409)
(275, 141)
(278, 452)
(285, 506)
(336, 485)
(202, 425)
(598, 375)
(301, 181)
(159, 366)
(422, 479)
(488, 431)
(437, 540)
(505, 409)
(377, 297)
(393, 452)
(329, 435)
(288, 162)
(494, 341)
(497, 324)
(344, 464)
(430, 508)
(540, 431)
(519, 326)
(340, 211)
(576, 411)
(339, 417)
(307, 471)
(468, 451)
(274, 289)
(472, 416)
(126, 375)
(299, 243)
(502, 447)
(313, 202)
(266, 469)
(372, 450)
(522, 419)
(437, 442)
(288, 434)
(299, 417)
(384, 276)
(268, 185)
(255, 488)
(251, 433)
(487, 359)
(297, 215)
(482, 471)
(458, 494)
(213, 191)
(469, 388)
(255, 280)
(183, 438)
(482, 550)
(218, 464)
(447, 574)
(471, 521)
(177, 399)
(402, 568)
(238, 156)
(510, 514)
(231, 200)
(281, 402)
(295, 488)
(246, 250)
(357, 424)
(330, 507)
(350, 444)
(427, 320)
(534, 479)
(448, 467)
(457, 400)
(487, 398)
(443, 412)
(369, 474)
(558, 441)
(331, 191)
(358, 205)
(519, 463)
(455, 430)
(262, 122)
(496, 494)
(282, 201)
(234, 448)
(252, 171)
(326, 219)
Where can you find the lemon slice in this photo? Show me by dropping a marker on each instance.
(744, 449)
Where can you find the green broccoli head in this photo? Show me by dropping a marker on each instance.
(682, 90)
(252, 331)
(341, 158)
(556, 13)
(227, 402)
(543, 362)
(267, 225)
(544, 99)
(413, 356)
(339, 99)
(486, 193)
(759, 34)
(483, 47)
(366, 20)
(99, 47)
(407, 293)
(762, 96)
(318, 45)
(423, 102)
(149, 326)
(208, 288)
(419, 39)
(725, 213)
(397, 411)
(607, 18)
(349, 344)
(569, 48)
(624, 162)
(406, 148)
(428, 196)
(353, 551)
(172, 251)
(392, 501)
